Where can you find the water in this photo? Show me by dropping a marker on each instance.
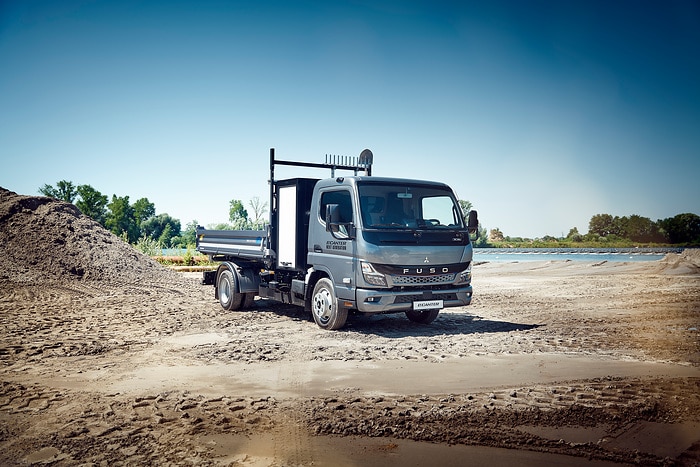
(176, 251)
(572, 254)
(544, 254)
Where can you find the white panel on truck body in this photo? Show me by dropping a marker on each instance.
(287, 229)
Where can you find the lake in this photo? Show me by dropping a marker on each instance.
(574, 254)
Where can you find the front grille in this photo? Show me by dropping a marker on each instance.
(417, 280)
(417, 297)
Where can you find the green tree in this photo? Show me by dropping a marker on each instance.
(143, 210)
(682, 228)
(64, 191)
(92, 203)
(642, 229)
(620, 225)
(162, 228)
(238, 215)
(601, 225)
(166, 237)
(465, 206)
(634, 227)
(189, 235)
(574, 235)
(482, 240)
(120, 219)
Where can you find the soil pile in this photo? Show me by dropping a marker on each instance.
(45, 240)
(687, 262)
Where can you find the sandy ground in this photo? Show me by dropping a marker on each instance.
(584, 362)
(556, 363)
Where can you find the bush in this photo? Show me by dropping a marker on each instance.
(148, 246)
(188, 257)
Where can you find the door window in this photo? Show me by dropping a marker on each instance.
(344, 201)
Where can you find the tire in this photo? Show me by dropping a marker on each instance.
(229, 299)
(248, 300)
(422, 317)
(324, 306)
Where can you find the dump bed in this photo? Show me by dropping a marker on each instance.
(244, 244)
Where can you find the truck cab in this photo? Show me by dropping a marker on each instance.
(390, 245)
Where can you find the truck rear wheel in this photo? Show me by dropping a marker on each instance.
(423, 316)
(324, 306)
(228, 297)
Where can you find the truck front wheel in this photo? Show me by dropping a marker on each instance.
(228, 297)
(423, 316)
(324, 306)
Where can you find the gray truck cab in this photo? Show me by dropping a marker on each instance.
(390, 245)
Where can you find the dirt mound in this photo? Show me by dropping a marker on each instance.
(43, 239)
(687, 262)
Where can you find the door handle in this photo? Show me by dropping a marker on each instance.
(317, 248)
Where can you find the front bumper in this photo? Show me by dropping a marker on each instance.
(372, 301)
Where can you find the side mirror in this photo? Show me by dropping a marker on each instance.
(332, 217)
(473, 223)
(335, 226)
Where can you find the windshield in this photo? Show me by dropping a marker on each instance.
(391, 206)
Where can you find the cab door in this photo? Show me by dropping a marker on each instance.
(333, 250)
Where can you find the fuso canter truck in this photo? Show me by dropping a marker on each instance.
(348, 244)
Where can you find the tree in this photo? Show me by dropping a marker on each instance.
(465, 206)
(144, 209)
(166, 237)
(574, 235)
(120, 219)
(642, 229)
(189, 235)
(259, 210)
(238, 215)
(620, 225)
(64, 191)
(482, 240)
(601, 225)
(682, 228)
(162, 228)
(92, 203)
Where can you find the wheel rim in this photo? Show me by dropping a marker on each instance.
(323, 306)
(225, 290)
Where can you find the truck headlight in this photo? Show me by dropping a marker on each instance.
(371, 275)
(466, 275)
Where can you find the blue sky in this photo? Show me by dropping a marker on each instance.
(541, 113)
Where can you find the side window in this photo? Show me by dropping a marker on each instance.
(342, 199)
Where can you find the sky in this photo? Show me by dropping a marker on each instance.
(540, 113)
